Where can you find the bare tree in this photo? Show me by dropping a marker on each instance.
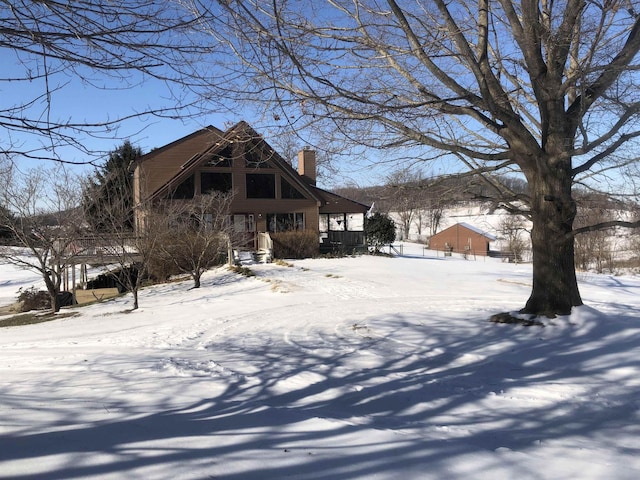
(431, 196)
(52, 47)
(420, 223)
(198, 234)
(433, 212)
(404, 188)
(287, 143)
(594, 248)
(514, 228)
(41, 214)
(544, 90)
(117, 243)
(634, 249)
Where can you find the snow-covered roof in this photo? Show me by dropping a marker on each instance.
(478, 231)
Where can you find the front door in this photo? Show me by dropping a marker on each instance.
(244, 228)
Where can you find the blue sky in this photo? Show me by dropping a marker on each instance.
(83, 103)
(80, 102)
(97, 98)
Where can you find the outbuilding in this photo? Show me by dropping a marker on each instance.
(462, 238)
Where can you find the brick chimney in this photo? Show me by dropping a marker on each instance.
(307, 164)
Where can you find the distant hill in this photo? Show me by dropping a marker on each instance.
(423, 208)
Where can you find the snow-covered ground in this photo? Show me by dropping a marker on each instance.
(479, 215)
(354, 368)
(498, 223)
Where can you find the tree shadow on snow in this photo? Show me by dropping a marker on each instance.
(363, 402)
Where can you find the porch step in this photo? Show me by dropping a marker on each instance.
(264, 255)
(247, 257)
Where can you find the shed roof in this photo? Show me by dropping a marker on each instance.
(334, 203)
(478, 231)
(472, 228)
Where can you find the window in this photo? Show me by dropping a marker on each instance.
(185, 190)
(288, 191)
(355, 222)
(253, 158)
(215, 181)
(336, 222)
(214, 222)
(284, 222)
(243, 223)
(222, 158)
(323, 224)
(207, 220)
(261, 185)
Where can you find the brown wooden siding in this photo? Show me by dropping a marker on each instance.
(163, 170)
(460, 239)
(156, 171)
(160, 166)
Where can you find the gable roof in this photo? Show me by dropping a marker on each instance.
(488, 236)
(185, 147)
(478, 231)
(198, 147)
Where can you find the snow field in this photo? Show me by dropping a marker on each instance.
(353, 368)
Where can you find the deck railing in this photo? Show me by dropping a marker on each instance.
(98, 247)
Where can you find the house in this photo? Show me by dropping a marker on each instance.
(462, 238)
(269, 194)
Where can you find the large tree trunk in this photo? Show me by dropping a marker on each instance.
(555, 287)
(136, 304)
(53, 288)
(55, 305)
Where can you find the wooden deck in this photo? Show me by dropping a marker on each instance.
(100, 250)
(94, 251)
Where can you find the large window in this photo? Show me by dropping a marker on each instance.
(323, 224)
(244, 223)
(340, 222)
(215, 181)
(261, 185)
(185, 190)
(337, 223)
(288, 191)
(284, 222)
(355, 222)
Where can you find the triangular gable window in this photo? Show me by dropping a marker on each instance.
(253, 157)
(185, 190)
(288, 191)
(221, 159)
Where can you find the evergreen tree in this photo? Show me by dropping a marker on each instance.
(6, 220)
(112, 183)
(380, 230)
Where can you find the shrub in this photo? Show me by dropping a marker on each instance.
(33, 299)
(120, 278)
(246, 271)
(380, 230)
(159, 269)
(295, 244)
